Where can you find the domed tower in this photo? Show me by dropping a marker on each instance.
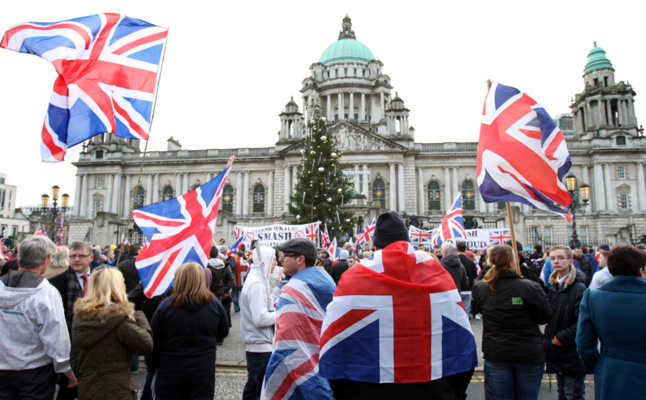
(291, 122)
(349, 83)
(604, 108)
(397, 119)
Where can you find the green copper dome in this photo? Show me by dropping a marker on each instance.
(597, 60)
(346, 50)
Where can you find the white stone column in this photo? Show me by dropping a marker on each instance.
(149, 190)
(356, 178)
(448, 198)
(245, 194)
(116, 194)
(270, 193)
(610, 196)
(585, 176)
(362, 110)
(239, 194)
(294, 177)
(351, 110)
(602, 112)
(365, 189)
(382, 105)
(421, 203)
(156, 188)
(599, 195)
(393, 187)
(287, 189)
(641, 186)
(455, 190)
(178, 185)
(127, 201)
(609, 113)
(339, 106)
(84, 199)
(330, 114)
(77, 195)
(185, 187)
(401, 201)
(108, 197)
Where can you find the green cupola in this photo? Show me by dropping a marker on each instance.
(597, 60)
(347, 48)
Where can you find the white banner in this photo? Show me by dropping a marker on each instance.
(273, 235)
(477, 239)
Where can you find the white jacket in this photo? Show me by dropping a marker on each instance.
(257, 316)
(32, 322)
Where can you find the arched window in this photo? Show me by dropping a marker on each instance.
(259, 198)
(620, 140)
(168, 193)
(434, 195)
(468, 196)
(139, 197)
(227, 198)
(379, 192)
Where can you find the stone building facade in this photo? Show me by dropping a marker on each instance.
(385, 163)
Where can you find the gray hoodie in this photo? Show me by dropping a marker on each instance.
(32, 322)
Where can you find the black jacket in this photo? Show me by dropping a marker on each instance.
(470, 267)
(452, 264)
(129, 271)
(565, 299)
(511, 316)
(338, 269)
(584, 265)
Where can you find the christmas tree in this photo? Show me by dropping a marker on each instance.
(322, 189)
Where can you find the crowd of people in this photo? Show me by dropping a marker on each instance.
(75, 320)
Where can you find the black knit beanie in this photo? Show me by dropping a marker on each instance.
(389, 228)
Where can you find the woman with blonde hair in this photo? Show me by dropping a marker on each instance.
(105, 333)
(512, 309)
(186, 328)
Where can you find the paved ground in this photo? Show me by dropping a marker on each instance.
(231, 372)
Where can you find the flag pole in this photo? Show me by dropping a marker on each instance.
(513, 237)
(143, 158)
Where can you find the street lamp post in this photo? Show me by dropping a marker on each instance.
(583, 196)
(54, 210)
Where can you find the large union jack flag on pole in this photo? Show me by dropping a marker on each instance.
(452, 226)
(107, 68)
(396, 318)
(180, 230)
(522, 155)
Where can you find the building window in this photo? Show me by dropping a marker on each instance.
(501, 205)
(533, 235)
(336, 72)
(434, 196)
(3, 193)
(621, 172)
(97, 205)
(227, 198)
(139, 197)
(259, 198)
(168, 193)
(355, 72)
(99, 154)
(547, 236)
(345, 72)
(620, 140)
(468, 196)
(623, 201)
(328, 74)
(100, 182)
(379, 192)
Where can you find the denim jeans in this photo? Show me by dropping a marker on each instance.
(571, 387)
(256, 366)
(512, 380)
(466, 300)
(235, 293)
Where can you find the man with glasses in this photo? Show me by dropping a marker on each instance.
(293, 366)
(72, 284)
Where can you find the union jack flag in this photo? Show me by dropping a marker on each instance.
(497, 237)
(396, 318)
(522, 155)
(367, 233)
(419, 235)
(292, 372)
(452, 226)
(333, 250)
(180, 230)
(235, 247)
(59, 234)
(40, 231)
(312, 231)
(124, 239)
(107, 68)
(239, 231)
(325, 237)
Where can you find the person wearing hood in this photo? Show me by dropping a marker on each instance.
(186, 328)
(451, 262)
(34, 343)
(106, 332)
(567, 285)
(257, 319)
(340, 266)
(222, 281)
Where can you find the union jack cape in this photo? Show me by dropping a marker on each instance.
(107, 67)
(396, 318)
(522, 155)
(452, 226)
(180, 230)
(292, 372)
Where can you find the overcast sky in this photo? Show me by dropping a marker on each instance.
(231, 67)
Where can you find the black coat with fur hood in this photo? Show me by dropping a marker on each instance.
(103, 341)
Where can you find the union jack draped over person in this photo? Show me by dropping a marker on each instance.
(522, 155)
(367, 233)
(180, 230)
(396, 318)
(452, 226)
(499, 236)
(419, 236)
(325, 238)
(107, 68)
(235, 247)
(292, 372)
(59, 233)
(333, 250)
